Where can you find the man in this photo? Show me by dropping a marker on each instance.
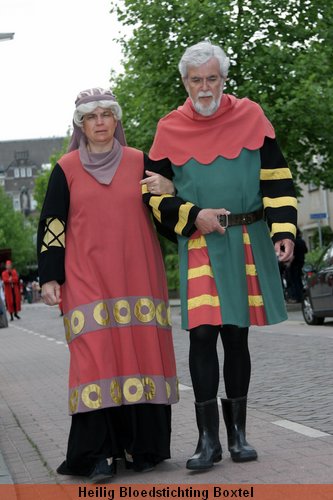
(238, 220)
(12, 290)
(294, 271)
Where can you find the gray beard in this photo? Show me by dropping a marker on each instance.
(207, 111)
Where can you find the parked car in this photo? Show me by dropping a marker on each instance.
(317, 303)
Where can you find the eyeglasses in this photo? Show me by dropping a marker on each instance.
(98, 116)
(198, 81)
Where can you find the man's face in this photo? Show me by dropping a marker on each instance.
(204, 86)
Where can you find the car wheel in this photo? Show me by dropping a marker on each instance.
(308, 313)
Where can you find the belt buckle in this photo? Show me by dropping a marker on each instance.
(223, 218)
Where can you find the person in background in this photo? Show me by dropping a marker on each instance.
(234, 214)
(12, 290)
(294, 270)
(99, 254)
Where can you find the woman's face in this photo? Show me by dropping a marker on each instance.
(99, 126)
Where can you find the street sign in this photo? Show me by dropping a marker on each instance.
(318, 216)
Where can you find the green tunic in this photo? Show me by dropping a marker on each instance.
(234, 185)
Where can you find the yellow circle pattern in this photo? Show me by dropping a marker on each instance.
(74, 401)
(92, 403)
(77, 321)
(148, 316)
(161, 314)
(147, 381)
(115, 391)
(67, 325)
(137, 384)
(122, 304)
(101, 314)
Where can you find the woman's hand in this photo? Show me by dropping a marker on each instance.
(51, 293)
(157, 184)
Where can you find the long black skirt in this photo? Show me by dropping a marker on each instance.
(142, 431)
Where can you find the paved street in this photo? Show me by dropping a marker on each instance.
(289, 417)
(291, 369)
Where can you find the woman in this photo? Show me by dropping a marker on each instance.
(12, 291)
(97, 246)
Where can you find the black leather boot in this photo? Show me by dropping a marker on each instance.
(209, 448)
(234, 413)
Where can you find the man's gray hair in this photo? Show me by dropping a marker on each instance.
(89, 107)
(200, 53)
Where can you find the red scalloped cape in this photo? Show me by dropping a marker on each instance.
(184, 134)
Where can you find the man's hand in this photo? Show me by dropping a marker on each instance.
(207, 221)
(157, 184)
(284, 250)
(51, 293)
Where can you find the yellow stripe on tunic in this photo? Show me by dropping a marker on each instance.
(279, 202)
(275, 174)
(197, 272)
(251, 270)
(155, 202)
(255, 300)
(246, 239)
(197, 243)
(183, 212)
(203, 300)
(283, 227)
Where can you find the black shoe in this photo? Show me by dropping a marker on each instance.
(101, 471)
(143, 466)
(139, 464)
(17, 316)
(64, 470)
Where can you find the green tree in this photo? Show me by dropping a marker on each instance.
(16, 233)
(280, 53)
(42, 180)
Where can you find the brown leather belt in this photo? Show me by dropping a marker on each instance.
(239, 219)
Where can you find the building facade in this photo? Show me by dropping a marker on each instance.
(315, 211)
(21, 162)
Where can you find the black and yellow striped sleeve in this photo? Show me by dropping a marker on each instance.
(278, 191)
(52, 229)
(172, 215)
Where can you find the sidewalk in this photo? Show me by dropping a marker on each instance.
(34, 425)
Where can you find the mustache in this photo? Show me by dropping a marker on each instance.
(205, 94)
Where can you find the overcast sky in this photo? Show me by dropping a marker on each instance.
(60, 47)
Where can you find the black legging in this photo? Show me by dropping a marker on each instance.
(204, 363)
